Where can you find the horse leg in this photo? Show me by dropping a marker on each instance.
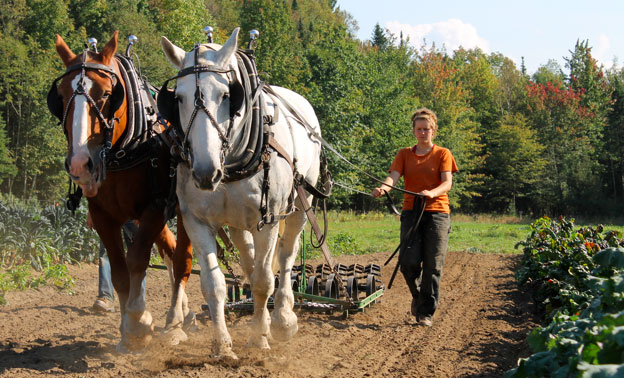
(166, 244)
(262, 284)
(179, 316)
(283, 319)
(243, 240)
(110, 234)
(137, 324)
(212, 282)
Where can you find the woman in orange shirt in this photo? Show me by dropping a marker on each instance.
(427, 170)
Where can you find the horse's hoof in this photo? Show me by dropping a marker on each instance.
(172, 320)
(136, 334)
(122, 349)
(223, 349)
(258, 343)
(175, 336)
(283, 325)
(126, 347)
(190, 323)
(226, 354)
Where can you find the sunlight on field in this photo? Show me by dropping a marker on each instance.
(354, 233)
(379, 232)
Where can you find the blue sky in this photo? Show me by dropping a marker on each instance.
(535, 30)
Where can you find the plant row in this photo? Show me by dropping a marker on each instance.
(37, 243)
(576, 276)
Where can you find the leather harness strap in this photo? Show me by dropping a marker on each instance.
(305, 205)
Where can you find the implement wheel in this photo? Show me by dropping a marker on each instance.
(371, 284)
(331, 287)
(233, 293)
(312, 286)
(352, 288)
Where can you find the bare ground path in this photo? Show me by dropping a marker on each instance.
(479, 331)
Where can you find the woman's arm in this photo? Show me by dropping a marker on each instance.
(443, 188)
(385, 187)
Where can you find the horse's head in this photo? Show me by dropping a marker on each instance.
(89, 95)
(206, 100)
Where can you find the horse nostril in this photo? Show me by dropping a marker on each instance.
(217, 176)
(90, 165)
(195, 176)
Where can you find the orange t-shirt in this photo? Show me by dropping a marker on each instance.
(422, 172)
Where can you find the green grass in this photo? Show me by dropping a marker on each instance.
(353, 233)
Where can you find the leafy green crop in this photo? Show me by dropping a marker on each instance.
(43, 240)
(578, 277)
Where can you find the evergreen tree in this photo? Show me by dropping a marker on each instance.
(379, 38)
(613, 158)
(515, 166)
(587, 79)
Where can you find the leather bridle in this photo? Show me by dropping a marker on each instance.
(186, 152)
(116, 100)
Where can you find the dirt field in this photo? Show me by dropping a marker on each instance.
(479, 330)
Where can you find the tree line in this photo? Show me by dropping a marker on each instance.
(549, 142)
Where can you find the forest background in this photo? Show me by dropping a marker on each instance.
(548, 143)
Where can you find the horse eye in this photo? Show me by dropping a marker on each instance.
(226, 95)
(106, 95)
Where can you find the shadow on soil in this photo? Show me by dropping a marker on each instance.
(70, 358)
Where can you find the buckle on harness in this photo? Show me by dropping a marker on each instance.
(266, 219)
(120, 154)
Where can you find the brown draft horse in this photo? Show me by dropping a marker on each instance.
(92, 103)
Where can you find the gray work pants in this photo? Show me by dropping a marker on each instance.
(422, 259)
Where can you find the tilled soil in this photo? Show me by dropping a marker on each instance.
(479, 330)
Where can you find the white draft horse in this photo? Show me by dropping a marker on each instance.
(212, 118)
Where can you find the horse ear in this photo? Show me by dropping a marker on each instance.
(174, 54)
(109, 50)
(228, 48)
(67, 56)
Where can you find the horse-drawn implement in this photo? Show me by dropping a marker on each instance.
(317, 289)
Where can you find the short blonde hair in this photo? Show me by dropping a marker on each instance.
(427, 115)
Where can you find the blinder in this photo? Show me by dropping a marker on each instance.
(55, 102)
(167, 104)
(117, 98)
(237, 97)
